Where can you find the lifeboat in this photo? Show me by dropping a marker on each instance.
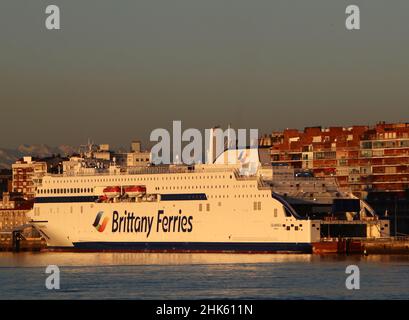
(135, 191)
(112, 192)
(103, 198)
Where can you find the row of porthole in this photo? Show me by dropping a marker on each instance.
(199, 187)
(135, 179)
(65, 190)
(296, 228)
(194, 187)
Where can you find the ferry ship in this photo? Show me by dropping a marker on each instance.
(218, 207)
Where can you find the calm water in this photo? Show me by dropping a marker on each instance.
(201, 276)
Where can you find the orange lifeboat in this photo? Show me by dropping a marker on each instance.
(112, 192)
(135, 191)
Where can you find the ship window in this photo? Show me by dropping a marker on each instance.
(275, 212)
(287, 212)
(207, 206)
(200, 207)
(296, 228)
(288, 228)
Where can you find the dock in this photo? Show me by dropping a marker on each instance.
(366, 246)
(9, 242)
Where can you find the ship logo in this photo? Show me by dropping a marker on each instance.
(100, 227)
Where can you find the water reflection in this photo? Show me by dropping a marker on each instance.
(201, 276)
(118, 259)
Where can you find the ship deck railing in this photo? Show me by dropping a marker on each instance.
(145, 170)
(361, 221)
(386, 239)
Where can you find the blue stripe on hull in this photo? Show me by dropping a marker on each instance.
(195, 246)
(65, 199)
(183, 196)
(164, 197)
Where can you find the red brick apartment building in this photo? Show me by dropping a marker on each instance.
(361, 157)
(373, 161)
(25, 172)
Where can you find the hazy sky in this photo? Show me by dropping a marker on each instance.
(119, 69)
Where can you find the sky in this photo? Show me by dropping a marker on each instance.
(116, 70)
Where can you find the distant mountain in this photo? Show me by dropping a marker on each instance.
(8, 156)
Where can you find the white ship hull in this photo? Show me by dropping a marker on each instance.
(173, 225)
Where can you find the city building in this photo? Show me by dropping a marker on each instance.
(5, 181)
(361, 157)
(94, 151)
(104, 156)
(138, 159)
(13, 212)
(54, 163)
(372, 161)
(135, 158)
(25, 172)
